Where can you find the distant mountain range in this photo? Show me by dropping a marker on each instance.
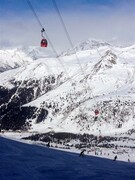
(43, 93)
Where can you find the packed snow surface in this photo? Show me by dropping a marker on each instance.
(21, 161)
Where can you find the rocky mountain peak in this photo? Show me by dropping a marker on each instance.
(109, 57)
(107, 61)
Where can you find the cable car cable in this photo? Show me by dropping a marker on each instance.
(35, 14)
(66, 32)
(70, 41)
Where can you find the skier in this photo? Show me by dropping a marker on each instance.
(82, 153)
(115, 158)
(48, 144)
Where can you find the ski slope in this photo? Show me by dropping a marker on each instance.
(21, 161)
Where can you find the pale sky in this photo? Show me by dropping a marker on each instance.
(109, 20)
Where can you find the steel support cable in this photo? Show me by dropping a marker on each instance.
(70, 78)
(70, 41)
(68, 36)
(34, 13)
(65, 29)
(58, 57)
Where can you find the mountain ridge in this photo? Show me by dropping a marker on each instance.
(66, 100)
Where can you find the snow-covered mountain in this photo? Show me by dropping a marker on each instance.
(86, 45)
(14, 58)
(61, 94)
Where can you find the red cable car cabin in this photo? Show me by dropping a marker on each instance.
(43, 43)
(96, 112)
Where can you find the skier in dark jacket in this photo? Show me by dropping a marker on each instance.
(48, 144)
(115, 158)
(82, 153)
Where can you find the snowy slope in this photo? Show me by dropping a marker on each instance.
(72, 86)
(14, 58)
(44, 163)
(86, 45)
(71, 107)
